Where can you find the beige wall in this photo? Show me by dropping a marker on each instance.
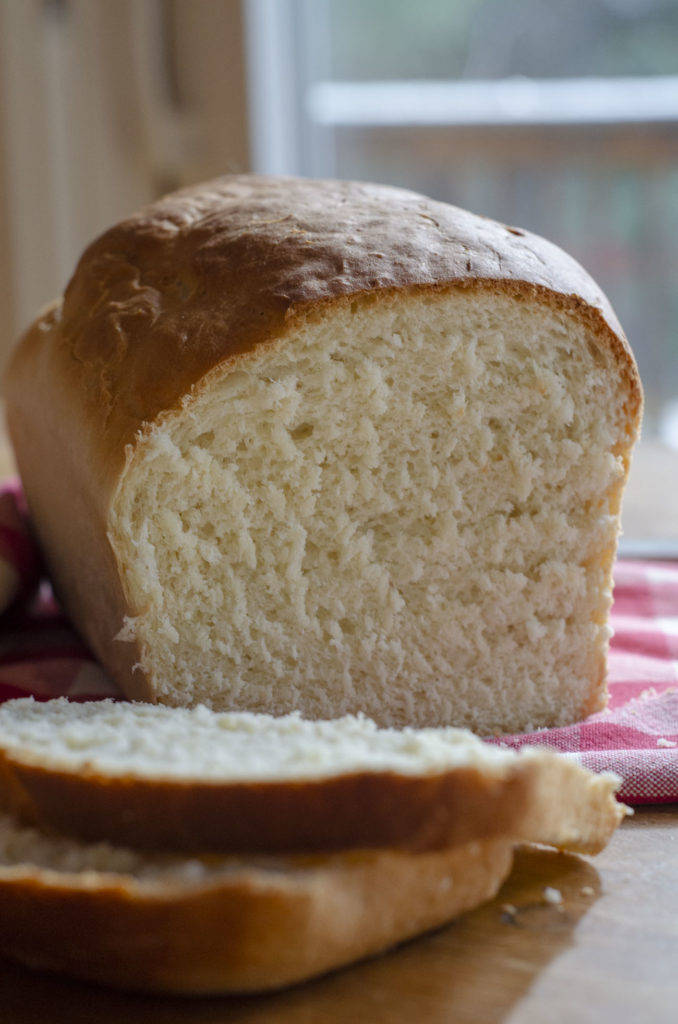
(105, 104)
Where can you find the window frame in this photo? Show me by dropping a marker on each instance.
(289, 86)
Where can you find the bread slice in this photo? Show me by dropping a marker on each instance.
(136, 776)
(333, 447)
(216, 925)
(196, 780)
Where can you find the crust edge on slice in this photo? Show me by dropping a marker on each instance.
(250, 929)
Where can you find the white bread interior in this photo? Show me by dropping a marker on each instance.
(124, 739)
(419, 526)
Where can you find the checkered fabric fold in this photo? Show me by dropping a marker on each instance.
(636, 736)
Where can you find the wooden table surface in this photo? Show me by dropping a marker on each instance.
(608, 953)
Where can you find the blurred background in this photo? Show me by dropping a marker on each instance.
(560, 116)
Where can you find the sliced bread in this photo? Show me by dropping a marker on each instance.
(216, 925)
(197, 780)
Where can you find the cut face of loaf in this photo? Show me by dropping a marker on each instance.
(409, 510)
(333, 448)
(195, 780)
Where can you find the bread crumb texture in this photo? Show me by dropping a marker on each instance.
(136, 740)
(408, 507)
(23, 849)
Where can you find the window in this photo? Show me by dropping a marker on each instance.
(561, 121)
(558, 117)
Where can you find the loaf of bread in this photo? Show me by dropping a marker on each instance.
(146, 781)
(332, 447)
(193, 779)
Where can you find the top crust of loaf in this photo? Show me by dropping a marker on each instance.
(200, 278)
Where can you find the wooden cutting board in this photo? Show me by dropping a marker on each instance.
(607, 954)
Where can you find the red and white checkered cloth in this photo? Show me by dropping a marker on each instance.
(636, 737)
(637, 734)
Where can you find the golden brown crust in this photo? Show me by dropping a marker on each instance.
(194, 283)
(249, 930)
(539, 798)
(360, 811)
(569, 807)
(206, 274)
